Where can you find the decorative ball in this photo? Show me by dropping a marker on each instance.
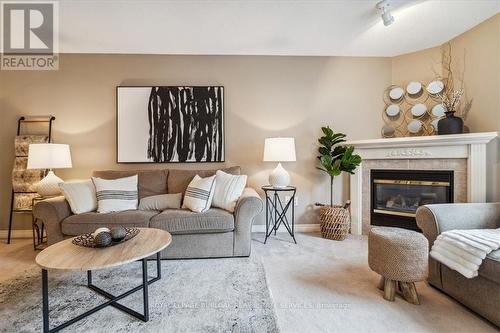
(99, 230)
(118, 233)
(103, 239)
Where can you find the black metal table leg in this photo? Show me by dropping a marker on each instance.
(112, 300)
(267, 218)
(145, 288)
(45, 300)
(293, 217)
(33, 229)
(275, 213)
(158, 266)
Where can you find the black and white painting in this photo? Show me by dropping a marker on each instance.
(170, 124)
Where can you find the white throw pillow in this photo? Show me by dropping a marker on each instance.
(228, 189)
(199, 194)
(116, 195)
(80, 195)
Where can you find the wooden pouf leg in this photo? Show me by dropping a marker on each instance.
(389, 290)
(381, 283)
(409, 292)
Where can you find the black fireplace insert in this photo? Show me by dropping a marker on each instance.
(396, 195)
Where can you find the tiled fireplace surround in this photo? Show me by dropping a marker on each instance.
(465, 154)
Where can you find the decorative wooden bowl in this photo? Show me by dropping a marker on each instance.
(87, 240)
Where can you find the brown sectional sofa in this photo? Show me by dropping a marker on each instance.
(215, 233)
(482, 293)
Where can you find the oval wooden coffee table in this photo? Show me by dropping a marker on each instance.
(66, 256)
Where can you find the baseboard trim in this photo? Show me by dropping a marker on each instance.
(28, 233)
(298, 228)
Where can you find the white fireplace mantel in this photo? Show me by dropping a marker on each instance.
(471, 146)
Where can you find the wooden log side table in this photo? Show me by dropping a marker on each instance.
(66, 256)
(276, 210)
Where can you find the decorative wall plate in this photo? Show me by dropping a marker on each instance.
(415, 126)
(414, 87)
(388, 132)
(418, 110)
(392, 110)
(413, 108)
(438, 110)
(396, 93)
(435, 87)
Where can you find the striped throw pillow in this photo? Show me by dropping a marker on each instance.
(199, 194)
(116, 195)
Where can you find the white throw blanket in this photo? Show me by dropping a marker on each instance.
(465, 250)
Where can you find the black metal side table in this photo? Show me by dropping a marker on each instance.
(276, 210)
(38, 226)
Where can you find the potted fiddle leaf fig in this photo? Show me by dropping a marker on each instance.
(334, 159)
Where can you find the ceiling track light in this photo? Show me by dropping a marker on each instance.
(385, 7)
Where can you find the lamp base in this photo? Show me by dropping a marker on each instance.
(49, 186)
(279, 177)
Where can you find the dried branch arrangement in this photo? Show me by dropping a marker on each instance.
(451, 96)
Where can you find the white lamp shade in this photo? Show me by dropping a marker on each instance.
(49, 156)
(279, 150)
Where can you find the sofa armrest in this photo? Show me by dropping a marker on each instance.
(435, 219)
(247, 208)
(52, 212)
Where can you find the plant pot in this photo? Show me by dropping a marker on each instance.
(450, 124)
(335, 222)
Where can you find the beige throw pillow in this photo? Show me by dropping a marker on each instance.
(161, 202)
(228, 189)
(80, 196)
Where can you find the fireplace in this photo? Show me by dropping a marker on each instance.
(396, 195)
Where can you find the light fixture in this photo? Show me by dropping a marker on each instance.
(384, 6)
(49, 156)
(279, 150)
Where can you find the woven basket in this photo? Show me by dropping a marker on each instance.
(335, 222)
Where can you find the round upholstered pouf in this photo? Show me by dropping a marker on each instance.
(401, 257)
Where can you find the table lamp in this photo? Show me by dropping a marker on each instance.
(49, 156)
(279, 150)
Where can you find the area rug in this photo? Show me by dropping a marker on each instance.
(213, 295)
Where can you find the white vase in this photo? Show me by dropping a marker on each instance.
(49, 186)
(279, 177)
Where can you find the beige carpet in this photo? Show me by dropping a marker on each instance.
(321, 285)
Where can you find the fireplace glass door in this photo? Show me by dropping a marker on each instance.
(396, 194)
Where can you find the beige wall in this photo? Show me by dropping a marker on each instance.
(417, 66)
(265, 96)
(481, 80)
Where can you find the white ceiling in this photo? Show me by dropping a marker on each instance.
(264, 27)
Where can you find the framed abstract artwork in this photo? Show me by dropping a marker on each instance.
(161, 124)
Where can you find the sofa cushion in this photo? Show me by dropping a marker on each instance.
(89, 222)
(181, 221)
(151, 182)
(490, 268)
(178, 180)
